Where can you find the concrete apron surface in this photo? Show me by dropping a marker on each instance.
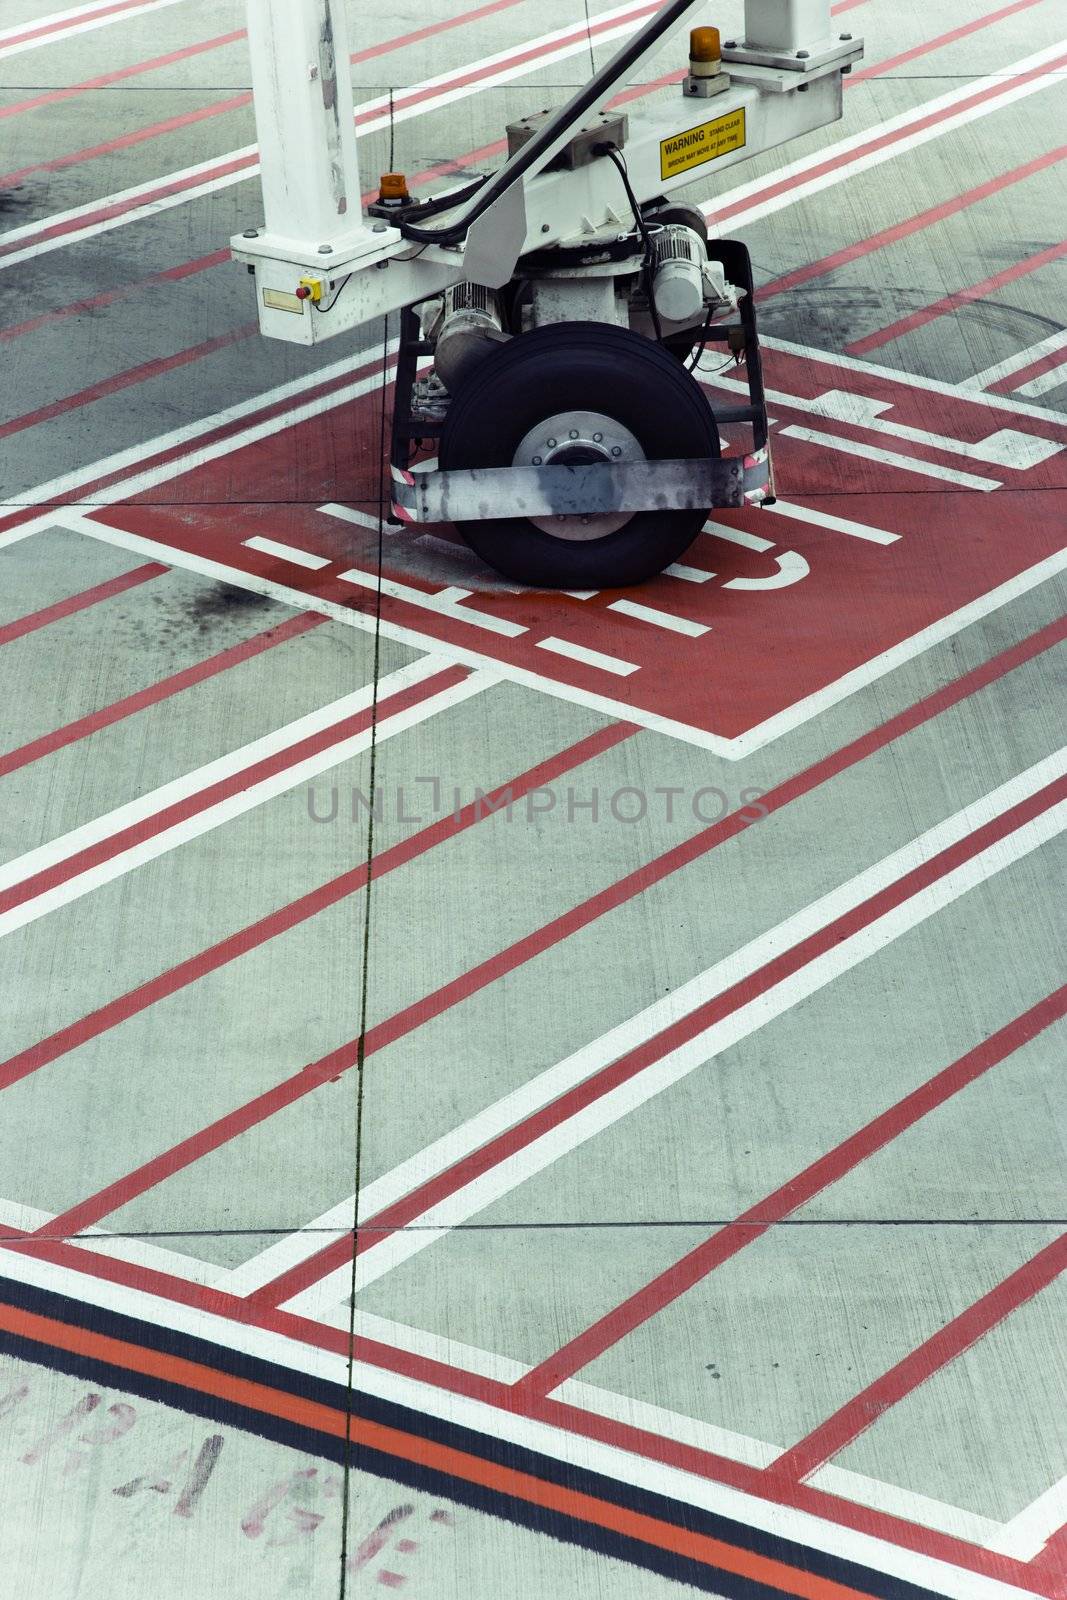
(509, 1093)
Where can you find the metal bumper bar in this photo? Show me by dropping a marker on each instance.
(570, 491)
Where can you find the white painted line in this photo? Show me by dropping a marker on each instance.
(1027, 1534)
(623, 1466)
(747, 541)
(1018, 362)
(823, 519)
(156, 550)
(433, 1347)
(913, 380)
(286, 552)
(1008, 447)
(1012, 91)
(57, 490)
(437, 1221)
(588, 658)
(290, 1251)
(1045, 382)
(16, 535)
(371, 116)
(879, 666)
(659, 619)
(894, 1501)
(125, 214)
(582, 594)
(886, 1497)
(677, 569)
(790, 568)
(669, 1069)
(54, 19)
(236, 805)
(446, 602)
(360, 519)
(150, 804)
(61, 35)
(891, 458)
(138, 1251)
(668, 1424)
(737, 749)
(455, 551)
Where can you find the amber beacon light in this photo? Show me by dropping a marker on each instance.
(706, 77)
(705, 48)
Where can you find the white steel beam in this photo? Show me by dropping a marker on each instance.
(302, 91)
(560, 205)
(786, 25)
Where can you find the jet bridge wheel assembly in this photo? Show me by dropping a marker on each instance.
(560, 298)
(574, 394)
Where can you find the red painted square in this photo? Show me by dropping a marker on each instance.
(784, 623)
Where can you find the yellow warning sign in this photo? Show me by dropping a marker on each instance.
(705, 143)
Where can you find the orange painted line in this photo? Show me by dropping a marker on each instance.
(426, 1453)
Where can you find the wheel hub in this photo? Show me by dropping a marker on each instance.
(578, 438)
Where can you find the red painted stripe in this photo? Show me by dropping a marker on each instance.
(882, 142)
(229, 1126)
(126, 380)
(705, 1464)
(915, 224)
(752, 1224)
(215, 258)
(236, 783)
(80, 602)
(168, 187)
(48, 743)
(116, 1011)
(296, 912)
(756, 1572)
(830, 1508)
(880, 68)
(178, 183)
(1048, 1571)
(517, 58)
(63, 25)
(935, 1353)
(1034, 369)
(126, 141)
(432, 29)
(953, 302)
(109, 297)
(635, 1061)
(196, 352)
(119, 75)
(96, 482)
(118, 208)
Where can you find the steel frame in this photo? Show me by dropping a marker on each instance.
(368, 268)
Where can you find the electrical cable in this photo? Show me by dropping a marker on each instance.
(618, 160)
(558, 128)
(694, 359)
(321, 309)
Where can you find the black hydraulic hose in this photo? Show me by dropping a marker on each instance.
(565, 120)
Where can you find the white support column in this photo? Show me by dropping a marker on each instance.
(302, 90)
(786, 26)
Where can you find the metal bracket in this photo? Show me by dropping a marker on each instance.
(823, 55)
(569, 491)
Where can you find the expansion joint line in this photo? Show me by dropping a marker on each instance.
(361, 1047)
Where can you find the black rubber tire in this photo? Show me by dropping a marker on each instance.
(590, 366)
